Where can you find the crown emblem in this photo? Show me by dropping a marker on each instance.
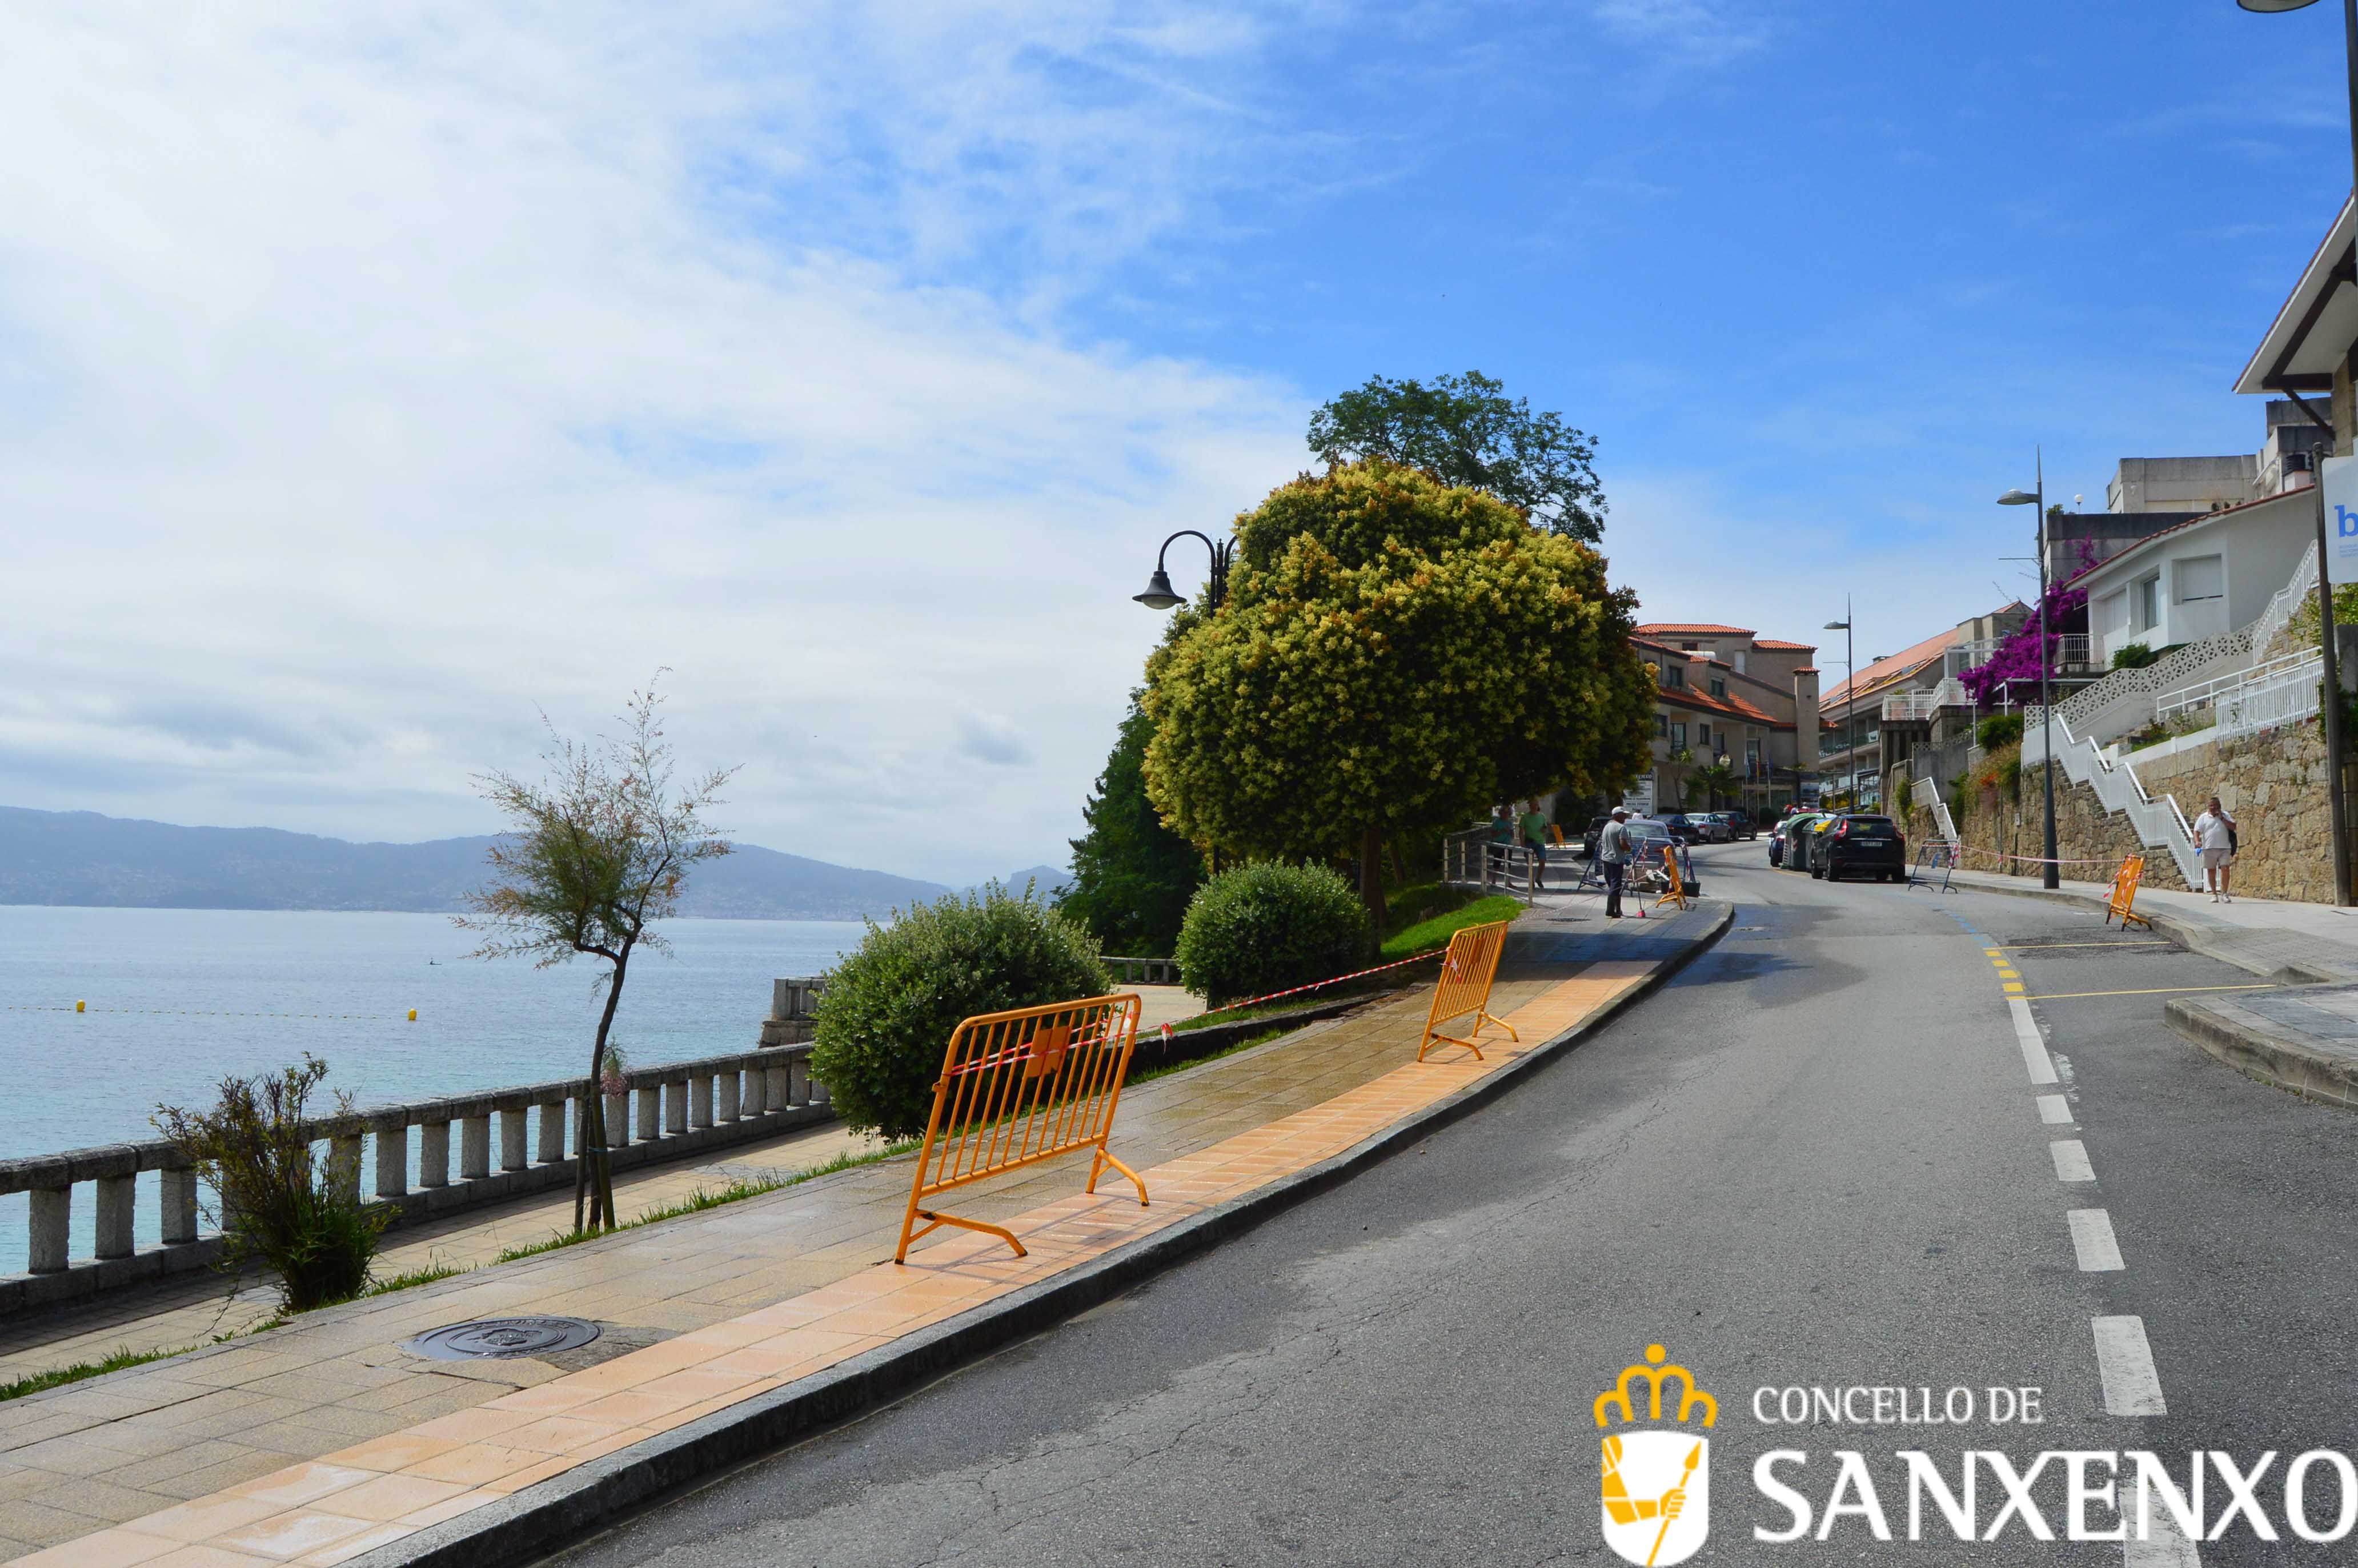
(1654, 1374)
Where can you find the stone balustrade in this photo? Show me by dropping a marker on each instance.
(683, 1108)
(1144, 971)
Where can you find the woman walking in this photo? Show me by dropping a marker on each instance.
(2214, 835)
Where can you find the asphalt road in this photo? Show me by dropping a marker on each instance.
(1818, 1159)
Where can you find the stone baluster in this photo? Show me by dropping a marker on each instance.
(798, 1082)
(179, 1197)
(474, 1148)
(699, 1101)
(513, 1153)
(618, 1119)
(650, 1113)
(52, 1211)
(755, 1101)
(434, 1153)
(392, 1161)
(343, 1167)
(552, 1132)
(114, 1195)
(724, 1097)
(675, 1097)
(819, 1094)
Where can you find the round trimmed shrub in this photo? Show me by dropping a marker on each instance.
(888, 1009)
(1264, 928)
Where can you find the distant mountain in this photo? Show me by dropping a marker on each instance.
(1046, 881)
(81, 858)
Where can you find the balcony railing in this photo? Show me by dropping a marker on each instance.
(1911, 704)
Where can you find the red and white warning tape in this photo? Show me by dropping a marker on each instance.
(1314, 985)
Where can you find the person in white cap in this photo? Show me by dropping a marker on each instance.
(1613, 855)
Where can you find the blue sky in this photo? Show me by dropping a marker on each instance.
(374, 384)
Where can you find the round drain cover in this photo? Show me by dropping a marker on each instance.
(501, 1337)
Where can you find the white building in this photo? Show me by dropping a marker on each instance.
(2200, 579)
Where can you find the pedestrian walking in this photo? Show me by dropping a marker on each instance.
(1534, 830)
(1502, 840)
(1613, 855)
(2214, 835)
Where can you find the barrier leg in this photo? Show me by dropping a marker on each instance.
(934, 1221)
(1097, 1169)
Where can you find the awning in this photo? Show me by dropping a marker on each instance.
(2317, 325)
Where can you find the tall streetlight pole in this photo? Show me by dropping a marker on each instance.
(2336, 817)
(2051, 876)
(1850, 695)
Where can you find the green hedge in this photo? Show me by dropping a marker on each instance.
(889, 1008)
(1264, 928)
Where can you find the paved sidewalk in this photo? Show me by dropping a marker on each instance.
(321, 1439)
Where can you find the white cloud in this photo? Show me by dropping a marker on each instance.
(373, 378)
(1685, 32)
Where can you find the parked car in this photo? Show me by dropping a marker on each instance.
(1857, 844)
(1680, 827)
(1710, 826)
(1800, 839)
(1776, 840)
(1588, 838)
(1740, 825)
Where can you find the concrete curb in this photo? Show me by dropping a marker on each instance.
(2267, 1052)
(562, 1509)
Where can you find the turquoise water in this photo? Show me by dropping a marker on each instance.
(180, 998)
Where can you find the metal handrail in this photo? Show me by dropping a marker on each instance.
(2204, 694)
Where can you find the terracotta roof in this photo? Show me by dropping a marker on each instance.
(1890, 667)
(1733, 707)
(1693, 628)
(1807, 670)
(1783, 646)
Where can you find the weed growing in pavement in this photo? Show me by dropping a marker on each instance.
(424, 1276)
(81, 1370)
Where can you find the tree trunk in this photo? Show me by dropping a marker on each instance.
(1371, 876)
(596, 1174)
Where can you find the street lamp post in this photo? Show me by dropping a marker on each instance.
(2051, 875)
(2336, 812)
(1159, 594)
(1850, 696)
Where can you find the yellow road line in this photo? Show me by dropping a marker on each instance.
(2153, 990)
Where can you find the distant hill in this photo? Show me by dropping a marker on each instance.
(1046, 881)
(81, 858)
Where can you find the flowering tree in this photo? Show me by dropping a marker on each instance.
(2018, 658)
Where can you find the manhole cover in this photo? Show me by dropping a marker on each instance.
(501, 1337)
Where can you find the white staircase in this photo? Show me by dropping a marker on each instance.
(2159, 824)
(1928, 794)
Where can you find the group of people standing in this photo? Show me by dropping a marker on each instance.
(1512, 825)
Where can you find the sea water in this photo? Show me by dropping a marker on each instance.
(178, 999)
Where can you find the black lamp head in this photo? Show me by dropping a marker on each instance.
(1158, 594)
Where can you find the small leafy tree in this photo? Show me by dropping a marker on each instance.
(596, 853)
(1268, 927)
(277, 1202)
(1711, 781)
(2134, 656)
(1394, 654)
(1464, 431)
(1131, 875)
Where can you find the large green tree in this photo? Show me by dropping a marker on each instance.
(1131, 875)
(1394, 654)
(1465, 430)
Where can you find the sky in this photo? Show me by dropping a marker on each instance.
(377, 381)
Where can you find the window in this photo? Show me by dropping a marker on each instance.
(2205, 576)
(1661, 725)
(1718, 687)
(1702, 736)
(2144, 603)
(1678, 737)
(1752, 757)
(1678, 678)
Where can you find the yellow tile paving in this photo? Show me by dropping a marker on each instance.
(329, 1507)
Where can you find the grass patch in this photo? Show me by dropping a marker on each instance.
(703, 1198)
(424, 1276)
(1406, 906)
(1435, 931)
(81, 1370)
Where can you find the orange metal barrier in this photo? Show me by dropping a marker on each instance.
(1677, 892)
(1019, 1088)
(1466, 971)
(2125, 886)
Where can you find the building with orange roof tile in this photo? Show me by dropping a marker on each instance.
(1721, 693)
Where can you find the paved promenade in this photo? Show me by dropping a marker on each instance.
(322, 1440)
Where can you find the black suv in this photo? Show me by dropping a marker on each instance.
(1858, 845)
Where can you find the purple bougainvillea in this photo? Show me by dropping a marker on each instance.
(2017, 658)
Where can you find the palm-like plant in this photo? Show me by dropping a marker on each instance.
(1711, 781)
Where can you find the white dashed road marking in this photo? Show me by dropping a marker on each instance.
(2125, 1362)
(2054, 1109)
(2071, 1161)
(2092, 1239)
(2034, 1048)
